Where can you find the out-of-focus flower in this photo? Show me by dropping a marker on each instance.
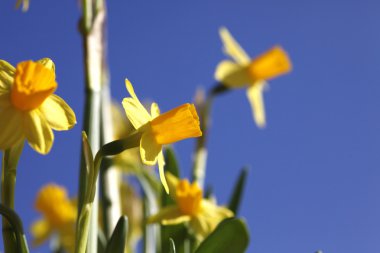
(58, 217)
(28, 107)
(24, 3)
(244, 72)
(201, 214)
(157, 130)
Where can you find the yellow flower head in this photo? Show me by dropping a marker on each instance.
(53, 203)
(201, 214)
(157, 130)
(244, 72)
(28, 107)
(58, 216)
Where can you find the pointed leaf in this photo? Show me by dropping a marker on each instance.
(238, 191)
(231, 235)
(119, 236)
(172, 246)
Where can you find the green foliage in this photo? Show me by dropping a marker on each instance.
(117, 242)
(237, 193)
(231, 235)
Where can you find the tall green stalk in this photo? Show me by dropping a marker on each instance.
(8, 183)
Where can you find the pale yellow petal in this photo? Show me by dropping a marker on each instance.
(215, 212)
(7, 72)
(161, 165)
(172, 184)
(232, 75)
(41, 231)
(11, 126)
(149, 149)
(255, 97)
(38, 132)
(232, 48)
(58, 114)
(200, 227)
(48, 63)
(170, 215)
(154, 110)
(136, 112)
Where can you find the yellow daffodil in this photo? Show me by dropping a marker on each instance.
(244, 72)
(201, 214)
(157, 130)
(28, 107)
(59, 216)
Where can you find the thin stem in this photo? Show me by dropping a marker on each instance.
(8, 184)
(200, 156)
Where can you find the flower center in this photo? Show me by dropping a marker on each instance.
(271, 64)
(32, 84)
(53, 203)
(177, 124)
(188, 197)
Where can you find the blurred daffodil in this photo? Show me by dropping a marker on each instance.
(58, 217)
(253, 74)
(157, 130)
(201, 214)
(24, 3)
(28, 107)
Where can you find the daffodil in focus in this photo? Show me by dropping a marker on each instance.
(28, 108)
(58, 217)
(253, 74)
(157, 130)
(202, 215)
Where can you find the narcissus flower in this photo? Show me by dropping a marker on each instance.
(28, 107)
(201, 214)
(59, 216)
(253, 74)
(157, 130)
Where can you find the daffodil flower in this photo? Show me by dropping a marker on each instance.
(253, 74)
(59, 216)
(28, 107)
(201, 214)
(157, 130)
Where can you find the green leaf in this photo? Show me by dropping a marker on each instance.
(119, 237)
(172, 246)
(238, 191)
(16, 223)
(171, 164)
(231, 235)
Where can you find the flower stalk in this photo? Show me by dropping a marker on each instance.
(8, 184)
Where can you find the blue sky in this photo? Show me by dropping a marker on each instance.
(315, 168)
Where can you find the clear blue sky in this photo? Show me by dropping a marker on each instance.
(314, 181)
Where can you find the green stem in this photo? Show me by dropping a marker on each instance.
(8, 184)
(200, 156)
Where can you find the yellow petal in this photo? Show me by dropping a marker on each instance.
(149, 149)
(7, 72)
(161, 164)
(232, 74)
(38, 132)
(136, 112)
(200, 227)
(11, 127)
(58, 114)
(170, 215)
(255, 97)
(232, 48)
(48, 63)
(41, 231)
(154, 110)
(172, 184)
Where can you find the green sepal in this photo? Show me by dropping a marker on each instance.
(231, 235)
(16, 223)
(117, 242)
(237, 193)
